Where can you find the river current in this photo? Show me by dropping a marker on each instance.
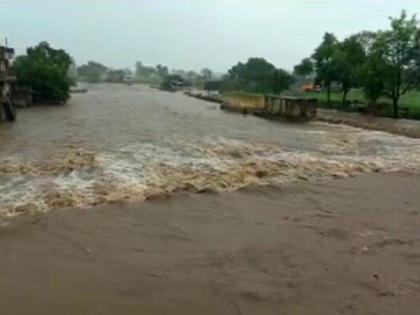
(119, 143)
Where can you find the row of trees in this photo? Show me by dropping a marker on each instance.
(188, 79)
(257, 76)
(383, 63)
(95, 72)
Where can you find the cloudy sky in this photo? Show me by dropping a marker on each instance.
(190, 34)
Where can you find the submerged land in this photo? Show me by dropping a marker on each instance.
(349, 246)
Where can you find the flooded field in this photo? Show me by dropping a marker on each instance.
(134, 143)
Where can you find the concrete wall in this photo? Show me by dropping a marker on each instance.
(243, 101)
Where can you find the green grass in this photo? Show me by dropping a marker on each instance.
(410, 100)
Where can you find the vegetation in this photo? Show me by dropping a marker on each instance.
(410, 102)
(92, 72)
(383, 64)
(257, 76)
(95, 72)
(305, 68)
(170, 81)
(324, 63)
(45, 70)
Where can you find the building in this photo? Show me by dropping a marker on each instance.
(7, 80)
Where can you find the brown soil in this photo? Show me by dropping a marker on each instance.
(349, 246)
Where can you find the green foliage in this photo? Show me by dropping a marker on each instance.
(257, 76)
(44, 69)
(325, 67)
(170, 82)
(144, 71)
(348, 59)
(385, 63)
(207, 74)
(150, 74)
(399, 49)
(305, 68)
(162, 71)
(116, 76)
(92, 72)
(372, 79)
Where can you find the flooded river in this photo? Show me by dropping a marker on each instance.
(134, 143)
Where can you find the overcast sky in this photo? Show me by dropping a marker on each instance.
(190, 34)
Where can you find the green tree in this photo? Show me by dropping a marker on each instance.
(347, 61)
(325, 67)
(116, 75)
(372, 79)
(44, 69)
(144, 72)
(162, 71)
(305, 68)
(281, 81)
(92, 72)
(257, 76)
(399, 50)
(170, 81)
(207, 74)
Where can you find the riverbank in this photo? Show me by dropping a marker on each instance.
(404, 127)
(349, 246)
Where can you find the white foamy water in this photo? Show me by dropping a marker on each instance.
(136, 144)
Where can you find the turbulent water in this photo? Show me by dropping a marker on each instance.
(134, 143)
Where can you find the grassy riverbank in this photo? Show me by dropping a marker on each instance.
(410, 101)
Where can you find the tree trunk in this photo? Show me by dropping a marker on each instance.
(372, 107)
(395, 100)
(344, 101)
(329, 95)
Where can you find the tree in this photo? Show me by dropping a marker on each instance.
(207, 74)
(162, 71)
(305, 67)
(116, 76)
(372, 79)
(171, 81)
(257, 76)
(282, 81)
(192, 76)
(325, 67)
(72, 75)
(347, 60)
(92, 72)
(399, 50)
(44, 69)
(144, 72)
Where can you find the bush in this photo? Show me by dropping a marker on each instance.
(44, 70)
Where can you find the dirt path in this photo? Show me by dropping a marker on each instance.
(348, 246)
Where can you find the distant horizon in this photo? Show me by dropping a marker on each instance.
(187, 35)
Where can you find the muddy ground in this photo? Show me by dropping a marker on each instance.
(349, 246)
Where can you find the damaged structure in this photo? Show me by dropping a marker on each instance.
(7, 81)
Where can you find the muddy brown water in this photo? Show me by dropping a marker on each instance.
(305, 244)
(131, 142)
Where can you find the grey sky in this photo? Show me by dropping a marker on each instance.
(190, 34)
